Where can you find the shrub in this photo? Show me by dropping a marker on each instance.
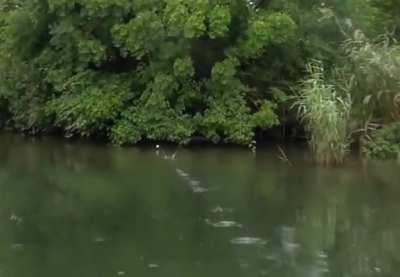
(89, 104)
(385, 143)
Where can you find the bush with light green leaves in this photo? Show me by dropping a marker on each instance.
(385, 143)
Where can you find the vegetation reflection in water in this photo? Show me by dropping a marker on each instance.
(87, 210)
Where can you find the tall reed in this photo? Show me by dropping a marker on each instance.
(374, 65)
(325, 115)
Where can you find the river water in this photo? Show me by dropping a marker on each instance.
(77, 209)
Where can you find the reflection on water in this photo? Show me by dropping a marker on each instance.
(73, 209)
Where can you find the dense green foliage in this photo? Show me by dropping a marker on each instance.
(385, 143)
(134, 70)
(173, 70)
(352, 99)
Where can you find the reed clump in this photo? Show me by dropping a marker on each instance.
(325, 115)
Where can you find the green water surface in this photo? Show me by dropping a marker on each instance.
(70, 209)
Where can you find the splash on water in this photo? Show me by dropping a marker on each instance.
(221, 210)
(194, 184)
(224, 224)
(16, 219)
(249, 241)
(17, 246)
(99, 240)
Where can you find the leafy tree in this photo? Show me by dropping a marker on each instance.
(169, 70)
(136, 70)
